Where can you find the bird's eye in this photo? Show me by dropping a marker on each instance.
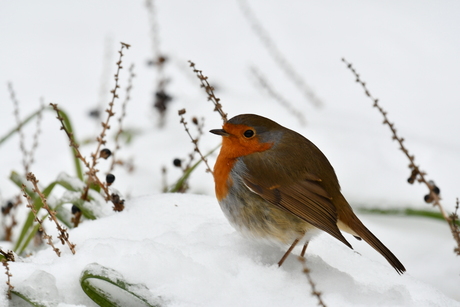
(248, 134)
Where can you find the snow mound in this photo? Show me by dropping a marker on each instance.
(181, 247)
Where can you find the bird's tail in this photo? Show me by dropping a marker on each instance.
(350, 223)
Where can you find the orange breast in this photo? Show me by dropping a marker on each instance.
(233, 147)
(222, 170)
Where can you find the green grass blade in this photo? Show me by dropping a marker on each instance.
(20, 247)
(69, 127)
(28, 299)
(95, 277)
(24, 122)
(405, 212)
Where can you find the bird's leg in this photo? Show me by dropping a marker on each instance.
(280, 263)
(304, 249)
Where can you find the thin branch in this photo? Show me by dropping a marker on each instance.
(30, 205)
(314, 292)
(27, 155)
(122, 116)
(210, 91)
(416, 173)
(8, 257)
(63, 236)
(194, 140)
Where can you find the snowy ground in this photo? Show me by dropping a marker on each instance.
(406, 52)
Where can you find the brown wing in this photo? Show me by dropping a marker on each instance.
(306, 199)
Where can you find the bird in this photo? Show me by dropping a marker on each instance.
(274, 184)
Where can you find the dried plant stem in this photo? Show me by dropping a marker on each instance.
(27, 155)
(91, 171)
(122, 116)
(91, 165)
(30, 204)
(7, 271)
(150, 5)
(314, 292)
(277, 56)
(456, 231)
(210, 91)
(269, 88)
(416, 172)
(105, 125)
(194, 140)
(63, 236)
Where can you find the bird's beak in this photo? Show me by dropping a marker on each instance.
(221, 132)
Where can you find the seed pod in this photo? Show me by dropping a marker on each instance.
(105, 153)
(413, 176)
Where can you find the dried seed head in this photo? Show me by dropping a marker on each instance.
(7, 207)
(195, 120)
(413, 176)
(105, 153)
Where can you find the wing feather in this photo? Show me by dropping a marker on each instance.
(306, 199)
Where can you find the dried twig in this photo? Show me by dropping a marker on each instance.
(161, 96)
(9, 210)
(122, 116)
(277, 56)
(30, 204)
(63, 236)
(9, 256)
(91, 173)
(194, 140)
(416, 173)
(91, 165)
(27, 155)
(105, 125)
(456, 230)
(314, 292)
(277, 96)
(210, 91)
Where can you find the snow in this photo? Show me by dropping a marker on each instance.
(180, 246)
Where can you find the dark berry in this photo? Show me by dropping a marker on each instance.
(110, 178)
(428, 198)
(177, 162)
(75, 209)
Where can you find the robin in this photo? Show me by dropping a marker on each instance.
(273, 183)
